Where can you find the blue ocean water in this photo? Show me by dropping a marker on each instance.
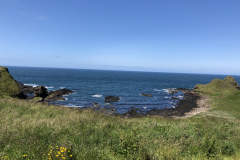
(91, 86)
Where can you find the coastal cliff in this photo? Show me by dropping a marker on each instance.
(11, 88)
(8, 86)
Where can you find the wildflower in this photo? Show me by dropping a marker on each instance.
(70, 155)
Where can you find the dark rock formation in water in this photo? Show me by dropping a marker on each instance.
(147, 95)
(112, 99)
(26, 89)
(57, 95)
(40, 91)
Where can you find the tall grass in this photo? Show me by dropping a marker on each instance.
(33, 130)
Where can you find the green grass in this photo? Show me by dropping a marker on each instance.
(31, 130)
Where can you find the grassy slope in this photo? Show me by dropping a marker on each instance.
(32, 128)
(8, 86)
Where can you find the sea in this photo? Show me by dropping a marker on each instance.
(92, 86)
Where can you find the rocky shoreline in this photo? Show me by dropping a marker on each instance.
(184, 106)
(40, 94)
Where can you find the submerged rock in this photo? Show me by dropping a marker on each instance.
(8, 86)
(147, 95)
(111, 99)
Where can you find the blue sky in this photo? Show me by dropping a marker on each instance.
(184, 36)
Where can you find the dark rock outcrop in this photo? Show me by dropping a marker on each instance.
(40, 91)
(26, 89)
(57, 95)
(147, 95)
(111, 99)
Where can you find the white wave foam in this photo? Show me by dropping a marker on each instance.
(62, 87)
(50, 87)
(97, 95)
(33, 85)
(165, 90)
(158, 90)
(72, 105)
(144, 107)
(166, 97)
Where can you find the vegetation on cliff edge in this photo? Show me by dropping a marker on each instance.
(8, 86)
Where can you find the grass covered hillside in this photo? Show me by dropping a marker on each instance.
(31, 130)
(8, 86)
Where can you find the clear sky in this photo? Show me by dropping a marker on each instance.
(184, 36)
